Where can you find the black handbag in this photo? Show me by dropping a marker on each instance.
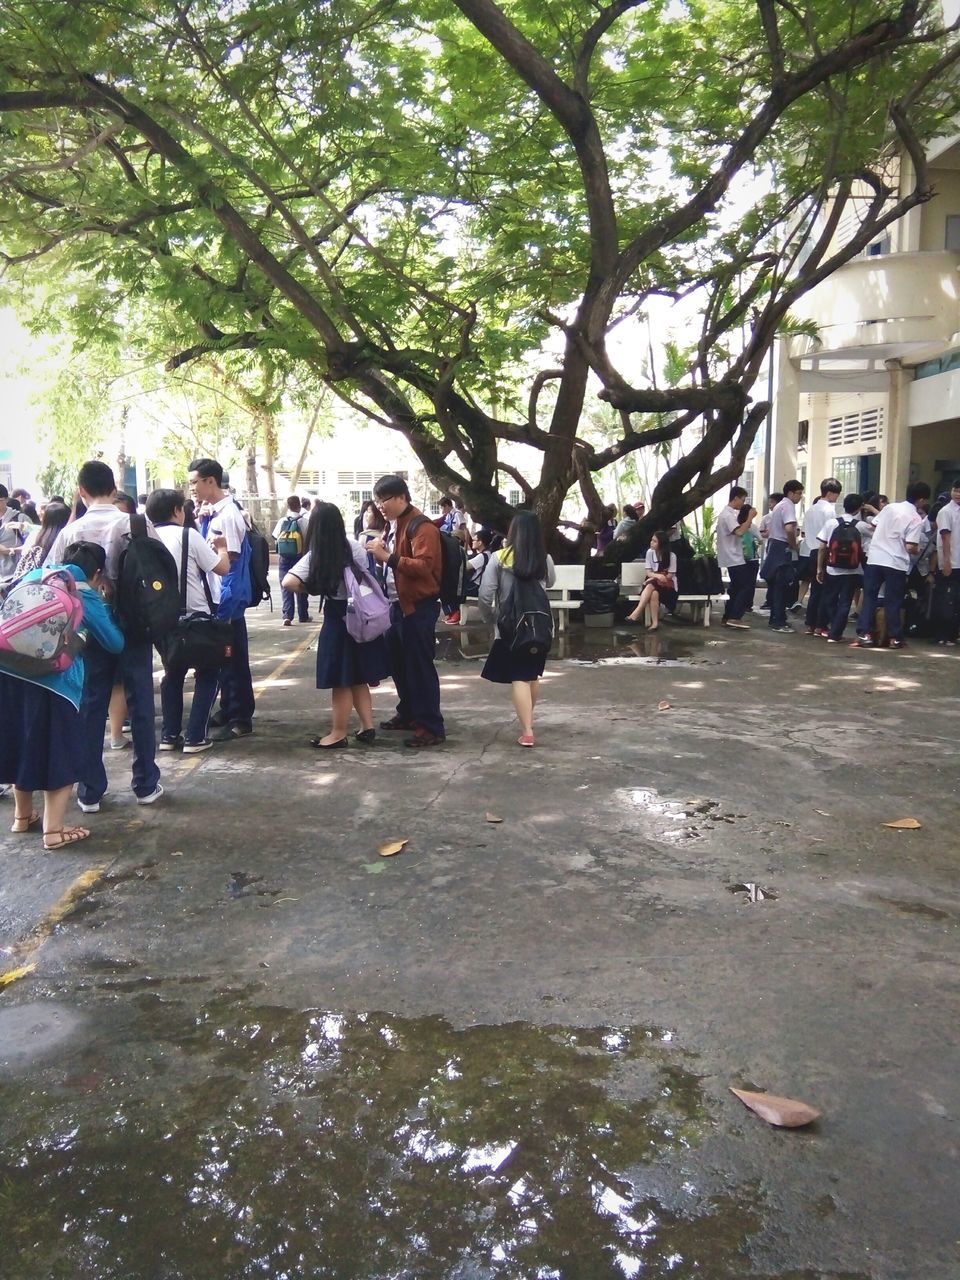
(199, 640)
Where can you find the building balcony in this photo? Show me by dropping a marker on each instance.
(902, 306)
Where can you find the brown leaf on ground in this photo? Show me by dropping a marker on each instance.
(786, 1113)
(391, 847)
(492, 817)
(664, 705)
(905, 824)
(822, 813)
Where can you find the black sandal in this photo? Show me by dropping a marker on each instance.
(327, 746)
(366, 736)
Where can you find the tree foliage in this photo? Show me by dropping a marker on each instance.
(411, 198)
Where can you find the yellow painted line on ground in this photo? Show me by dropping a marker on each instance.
(24, 951)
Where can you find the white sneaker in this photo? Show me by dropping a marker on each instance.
(91, 808)
(151, 798)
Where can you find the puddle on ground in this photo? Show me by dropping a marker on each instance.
(677, 820)
(754, 892)
(242, 1140)
(583, 647)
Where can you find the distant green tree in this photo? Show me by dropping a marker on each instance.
(410, 198)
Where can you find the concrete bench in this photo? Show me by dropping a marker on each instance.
(633, 575)
(570, 578)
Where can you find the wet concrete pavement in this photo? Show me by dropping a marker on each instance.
(250, 1046)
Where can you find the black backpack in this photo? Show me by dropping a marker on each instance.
(525, 620)
(845, 548)
(454, 574)
(148, 593)
(259, 568)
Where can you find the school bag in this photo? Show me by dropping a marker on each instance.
(845, 548)
(290, 539)
(148, 593)
(259, 566)
(368, 609)
(473, 583)
(525, 619)
(40, 622)
(453, 572)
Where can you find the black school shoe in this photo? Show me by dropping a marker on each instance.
(396, 722)
(424, 738)
(366, 736)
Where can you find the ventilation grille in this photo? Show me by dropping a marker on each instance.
(856, 428)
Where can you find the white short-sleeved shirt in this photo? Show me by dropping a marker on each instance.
(948, 520)
(653, 565)
(826, 533)
(104, 524)
(301, 569)
(784, 513)
(201, 558)
(896, 525)
(227, 519)
(729, 542)
(814, 520)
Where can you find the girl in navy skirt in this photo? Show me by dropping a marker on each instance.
(346, 668)
(522, 556)
(40, 744)
(660, 587)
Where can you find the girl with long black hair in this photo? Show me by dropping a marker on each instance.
(344, 667)
(522, 556)
(660, 587)
(38, 544)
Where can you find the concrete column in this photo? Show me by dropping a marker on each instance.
(895, 459)
(786, 415)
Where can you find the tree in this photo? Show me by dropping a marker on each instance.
(412, 198)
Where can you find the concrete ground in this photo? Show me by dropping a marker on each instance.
(248, 1045)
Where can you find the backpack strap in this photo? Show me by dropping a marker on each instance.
(138, 526)
(183, 569)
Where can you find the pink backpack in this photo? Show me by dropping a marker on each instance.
(40, 621)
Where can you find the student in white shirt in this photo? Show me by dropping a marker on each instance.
(225, 529)
(732, 523)
(946, 586)
(165, 509)
(895, 540)
(779, 563)
(660, 584)
(840, 582)
(824, 509)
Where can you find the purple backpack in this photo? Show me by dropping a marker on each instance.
(368, 609)
(40, 621)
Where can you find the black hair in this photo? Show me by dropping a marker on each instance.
(447, 501)
(57, 497)
(329, 550)
(189, 513)
(368, 505)
(663, 549)
(293, 503)
(163, 504)
(851, 503)
(206, 469)
(776, 497)
(630, 512)
(97, 479)
(125, 503)
(830, 485)
(737, 492)
(791, 486)
(88, 556)
(391, 487)
(14, 504)
(526, 539)
(882, 497)
(3, 492)
(919, 489)
(485, 535)
(142, 498)
(29, 509)
(55, 517)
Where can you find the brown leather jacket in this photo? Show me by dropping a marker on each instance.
(416, 562)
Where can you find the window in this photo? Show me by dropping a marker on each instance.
(864, 428)
(952, 234)
(879, 247)
(359, 496)
(514, 497)
(803, 433)
(847, 471)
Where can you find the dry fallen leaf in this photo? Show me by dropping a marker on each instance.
(786, 1113)
(492, 817)
(12, 975)
(664, 705)
(905, 824)
(177, 853)
(822, 813)
(391, 847)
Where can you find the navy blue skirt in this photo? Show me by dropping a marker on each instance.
(341, 662)
(503, 666)
(39, 737)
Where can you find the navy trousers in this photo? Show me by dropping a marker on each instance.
(894, 583)
(412, 644)
(779, 573)
(743, 583)
(236, 683)
(836, 599)
(171, 702)
(134, 667)
(287, 597)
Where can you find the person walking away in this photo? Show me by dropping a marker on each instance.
(778, 569)
(225, 529)
(895, 539)
(733, 522)
(332, 568)
(840, 561)
(946, 586)
(106, 525)
(43, 739)
(290, 534)
(660, 585)
(165, 510)
(824, 509)
(410, 552)
(523, 558)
